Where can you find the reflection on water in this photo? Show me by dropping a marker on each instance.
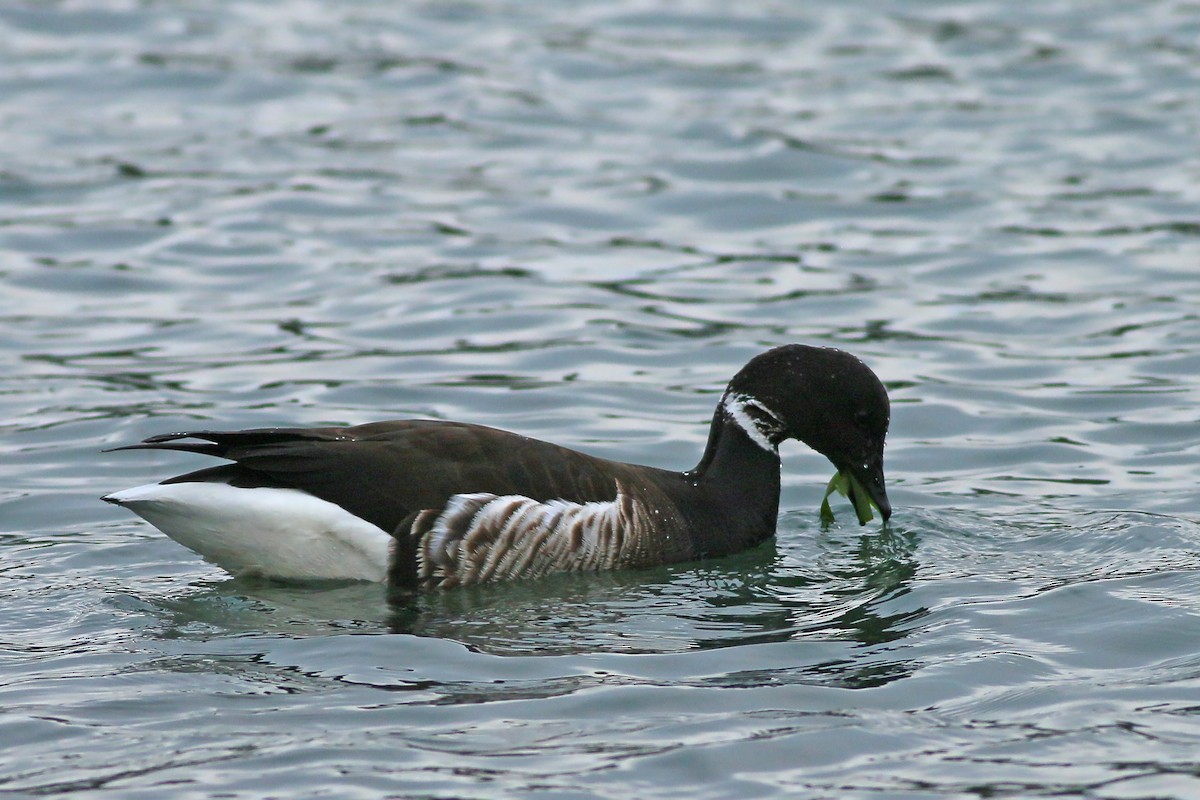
(840, 590)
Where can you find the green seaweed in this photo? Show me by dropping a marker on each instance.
(848, 486)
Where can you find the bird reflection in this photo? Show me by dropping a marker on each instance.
(831, 586)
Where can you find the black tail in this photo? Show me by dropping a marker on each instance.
(221, 443)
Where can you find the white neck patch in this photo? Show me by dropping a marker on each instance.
(737, 407)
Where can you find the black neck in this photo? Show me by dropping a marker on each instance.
(738, 483)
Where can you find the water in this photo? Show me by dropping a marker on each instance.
(577, 221)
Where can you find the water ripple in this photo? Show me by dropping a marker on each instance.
(578, 223)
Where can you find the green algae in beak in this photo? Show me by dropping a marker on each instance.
(847, 485)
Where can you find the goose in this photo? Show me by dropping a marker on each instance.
(422, 504)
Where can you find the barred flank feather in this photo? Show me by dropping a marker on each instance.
(485, 537)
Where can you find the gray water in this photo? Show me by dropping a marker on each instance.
(577, 221)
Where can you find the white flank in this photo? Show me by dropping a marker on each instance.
(487, 537)
(736, 405)
(278, 533)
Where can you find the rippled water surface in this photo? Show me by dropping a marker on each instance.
(577, 221)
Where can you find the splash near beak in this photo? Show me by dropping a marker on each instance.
(845, 483)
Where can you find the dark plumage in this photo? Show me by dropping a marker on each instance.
(427, 503)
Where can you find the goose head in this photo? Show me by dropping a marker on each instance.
(826, 398)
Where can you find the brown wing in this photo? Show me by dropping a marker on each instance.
(384, 471)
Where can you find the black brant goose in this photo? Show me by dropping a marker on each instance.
(423, 503)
